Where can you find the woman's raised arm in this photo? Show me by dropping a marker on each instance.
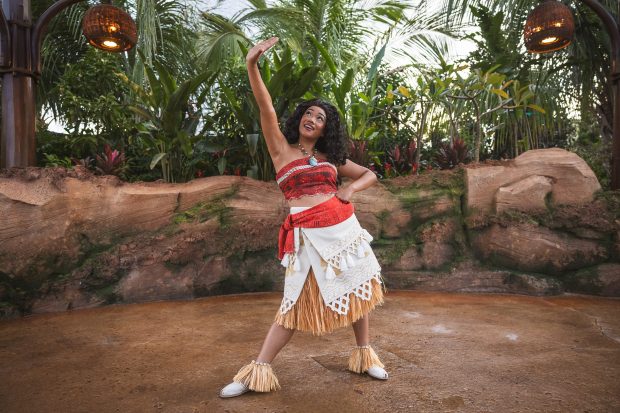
(276, 142)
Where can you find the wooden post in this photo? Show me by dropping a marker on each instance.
(17, 146)
(20, 65)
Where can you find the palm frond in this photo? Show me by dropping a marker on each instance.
(219, 40)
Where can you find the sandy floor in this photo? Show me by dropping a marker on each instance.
(444, 352)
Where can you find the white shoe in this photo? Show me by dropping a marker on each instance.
(234, 389)
(377, 372)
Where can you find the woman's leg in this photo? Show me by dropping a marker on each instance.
(360, 328)
(258, 375)
(276, 339)
(363, 358)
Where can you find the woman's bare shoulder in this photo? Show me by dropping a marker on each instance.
(290, 153)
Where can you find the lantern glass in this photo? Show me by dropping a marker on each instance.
(109, 28)
(549, 27)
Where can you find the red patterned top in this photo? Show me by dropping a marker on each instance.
(298, 178)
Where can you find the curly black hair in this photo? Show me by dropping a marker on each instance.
(334, 141)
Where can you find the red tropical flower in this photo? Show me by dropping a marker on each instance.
(110, 162)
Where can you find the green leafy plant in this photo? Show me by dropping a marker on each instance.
(170, 115)
(422, 100)
(489, 92)
(53, 160)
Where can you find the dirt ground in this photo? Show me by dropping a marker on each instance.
(444, 352)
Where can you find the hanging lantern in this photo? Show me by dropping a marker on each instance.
(550, 26)
(109, 28)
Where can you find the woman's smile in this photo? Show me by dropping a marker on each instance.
(313, 122)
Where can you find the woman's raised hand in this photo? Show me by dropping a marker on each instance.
(276, 142)
(255, 53)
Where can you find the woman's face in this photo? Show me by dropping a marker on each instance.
(313, 123)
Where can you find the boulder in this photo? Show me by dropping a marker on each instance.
(426, 204)
(69, 239)
(432, 249)
(64, 296)
(573, 182)
(53, 230)
(213, 271)
(435, 255)
(602, 279)
(379, 211)
(469, 277)
(609, 279)
(525, 195)
(156, 282)
(530, 247)
(428, 256)
(134, 242)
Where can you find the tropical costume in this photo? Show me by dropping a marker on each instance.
(332, 276)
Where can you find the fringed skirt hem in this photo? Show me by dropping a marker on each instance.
(309, 313)
(362, 358)
(258, 377)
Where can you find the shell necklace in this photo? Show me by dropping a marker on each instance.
(312, 160)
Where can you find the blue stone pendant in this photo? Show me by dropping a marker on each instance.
(312, 161)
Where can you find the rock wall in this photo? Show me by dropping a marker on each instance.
(534, 225)
(554, 175)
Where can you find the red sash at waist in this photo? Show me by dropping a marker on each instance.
(325, 214)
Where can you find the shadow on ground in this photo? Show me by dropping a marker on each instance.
(444, 352)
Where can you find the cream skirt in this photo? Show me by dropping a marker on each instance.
(332, 280)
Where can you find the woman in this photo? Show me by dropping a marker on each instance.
(332, 277)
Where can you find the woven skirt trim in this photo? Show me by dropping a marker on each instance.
(311, 314)
(258, 377)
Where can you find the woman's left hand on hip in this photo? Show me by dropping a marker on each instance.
(345, 193)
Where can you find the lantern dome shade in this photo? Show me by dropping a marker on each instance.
(549, 27)
(109, 28)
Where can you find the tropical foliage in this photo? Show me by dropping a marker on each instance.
(179, 106)
(169, 118)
